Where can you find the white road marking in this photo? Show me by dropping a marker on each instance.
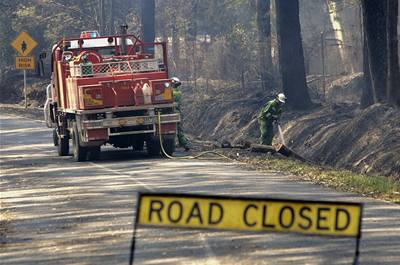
(25, 118)
(123, 175)
(211, 257)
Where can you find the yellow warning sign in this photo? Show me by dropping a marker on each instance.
(249, 214)
(24, 44)
(25, 63)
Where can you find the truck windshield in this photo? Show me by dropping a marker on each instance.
(106, 52)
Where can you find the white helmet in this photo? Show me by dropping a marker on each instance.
(175, 80)
(281, 98)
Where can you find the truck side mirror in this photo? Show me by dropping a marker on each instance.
(42, 55)
(66, 45)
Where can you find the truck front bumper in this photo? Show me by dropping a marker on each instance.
(132, 125)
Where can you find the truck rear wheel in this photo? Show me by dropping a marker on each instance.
(62, 145)
(93, 153)
(153, 146)
(80, 152)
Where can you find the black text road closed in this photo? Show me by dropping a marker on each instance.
(249, 214)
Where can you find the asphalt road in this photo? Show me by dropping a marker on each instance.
(56, 211)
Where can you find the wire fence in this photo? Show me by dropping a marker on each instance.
(114, 68)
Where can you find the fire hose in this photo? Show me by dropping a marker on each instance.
(183, 157)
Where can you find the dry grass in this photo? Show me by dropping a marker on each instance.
(379, 187)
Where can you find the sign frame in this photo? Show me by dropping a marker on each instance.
(29, 39)
(140, 195)
(24, 51)
(33, 65)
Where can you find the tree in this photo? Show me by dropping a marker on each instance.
(367, 97)
(102, 19)
(7, 14)
(374, 13)
(291, 57)
(264, 39)
(111, 25)
(393, 72)
(334, 10)
(148, 20)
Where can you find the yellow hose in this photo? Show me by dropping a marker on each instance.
(183, 157)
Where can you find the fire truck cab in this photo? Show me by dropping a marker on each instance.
(110, 90)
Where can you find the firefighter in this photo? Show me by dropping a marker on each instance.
(269, 114)
(87, 66)
(177, 94)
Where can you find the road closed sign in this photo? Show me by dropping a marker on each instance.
(249, 214)
(322, 218)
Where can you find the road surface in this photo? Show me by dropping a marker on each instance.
(56, 211)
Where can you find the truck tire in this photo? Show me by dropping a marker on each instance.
(80, 152)
(93, 153)
(55, 137)
(153, 146)
(138, 145)
(62, 145)
(169, 145)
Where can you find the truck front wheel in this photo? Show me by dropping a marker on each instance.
(138, 145)
(80, 152)
(153, 146)
(62, 145)
(55, 137)
(93, 153)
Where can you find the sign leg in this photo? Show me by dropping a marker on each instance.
(357, 253)
(132, 255)
(26, 99)
(135, 228)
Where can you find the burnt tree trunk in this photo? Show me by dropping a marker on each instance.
(291, 56)
(264, 40)
(193, 34)
(367, 97)
(374, 13)
(148, 22)
(175, 47)
(102, 25)
(393, 77)
(111, 26)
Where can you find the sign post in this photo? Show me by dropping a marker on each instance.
(321, 218)
(24, 44)
(25, 96)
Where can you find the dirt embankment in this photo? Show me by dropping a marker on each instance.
(339, 135)
(344, 136)
(11, 88)
(33, 113)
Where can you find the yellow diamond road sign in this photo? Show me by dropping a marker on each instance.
(24, 44)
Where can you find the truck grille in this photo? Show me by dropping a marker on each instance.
(131, 128)
(131, 113)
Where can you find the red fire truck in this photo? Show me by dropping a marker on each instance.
(110, 90)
